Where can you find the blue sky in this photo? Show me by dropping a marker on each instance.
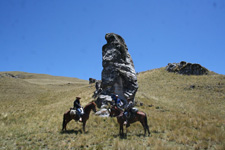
(65, 38)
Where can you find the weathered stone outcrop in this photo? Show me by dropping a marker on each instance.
(186, 68)
(12, 75)
(92, 80)
(118, 74)
(98, 89)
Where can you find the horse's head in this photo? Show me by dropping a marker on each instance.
(90, 106)
(93, 107)
(114, 111)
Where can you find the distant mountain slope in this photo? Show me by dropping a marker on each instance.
(28, 88)
(41, 78)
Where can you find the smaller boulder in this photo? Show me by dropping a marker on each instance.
(186, 68)
(92, 80)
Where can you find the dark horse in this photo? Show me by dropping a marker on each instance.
(139, 116)
(87, 109)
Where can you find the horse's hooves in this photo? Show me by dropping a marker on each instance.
(63, 130)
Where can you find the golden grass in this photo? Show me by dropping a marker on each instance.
(179, 117)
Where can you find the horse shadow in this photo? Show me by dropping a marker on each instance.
(143, 135)
(71, 132)
(121, 136)
(124, 136)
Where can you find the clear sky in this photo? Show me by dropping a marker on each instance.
(65, 38)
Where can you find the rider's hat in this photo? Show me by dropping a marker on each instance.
(78, 98)
(116, 95)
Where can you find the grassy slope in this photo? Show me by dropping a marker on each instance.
(180, 117)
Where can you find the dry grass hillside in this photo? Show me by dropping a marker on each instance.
(184, 112)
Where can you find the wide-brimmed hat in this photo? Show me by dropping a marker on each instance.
(78, 98)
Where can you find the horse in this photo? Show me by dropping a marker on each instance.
(67, 117)
(139, 116)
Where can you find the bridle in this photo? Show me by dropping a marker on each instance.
(94, 107)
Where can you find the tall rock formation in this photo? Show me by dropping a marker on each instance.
(118, 74)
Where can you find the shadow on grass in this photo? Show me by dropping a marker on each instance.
(143, 135)
(71, 131)
(123, 136)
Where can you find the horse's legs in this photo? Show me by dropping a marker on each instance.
(84, 123)
(121, 128)
(126, 130)
(65, 121)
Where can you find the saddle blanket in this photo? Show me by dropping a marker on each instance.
(73, 112)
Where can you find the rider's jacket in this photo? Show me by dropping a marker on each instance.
(116, 100)
(129, 106)
(76, 104)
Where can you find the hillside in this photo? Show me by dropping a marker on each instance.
(184, 112)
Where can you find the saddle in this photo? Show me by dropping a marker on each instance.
(132, 113)
(75, 112)
(134, 110)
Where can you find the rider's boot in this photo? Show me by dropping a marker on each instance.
(125, 122)
(80, 120)
(125, 117)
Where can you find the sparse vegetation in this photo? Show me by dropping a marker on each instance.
(184, 112)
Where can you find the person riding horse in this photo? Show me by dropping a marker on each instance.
(78, 108)
(127, 113)
(118, 102)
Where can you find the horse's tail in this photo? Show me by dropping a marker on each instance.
(146, 124)
(64, 122)
(146, 121)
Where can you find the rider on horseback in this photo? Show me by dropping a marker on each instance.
(78, 108)
(127, 113)
(118, 102)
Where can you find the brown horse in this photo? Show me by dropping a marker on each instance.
(139, 116)
(87, 109)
